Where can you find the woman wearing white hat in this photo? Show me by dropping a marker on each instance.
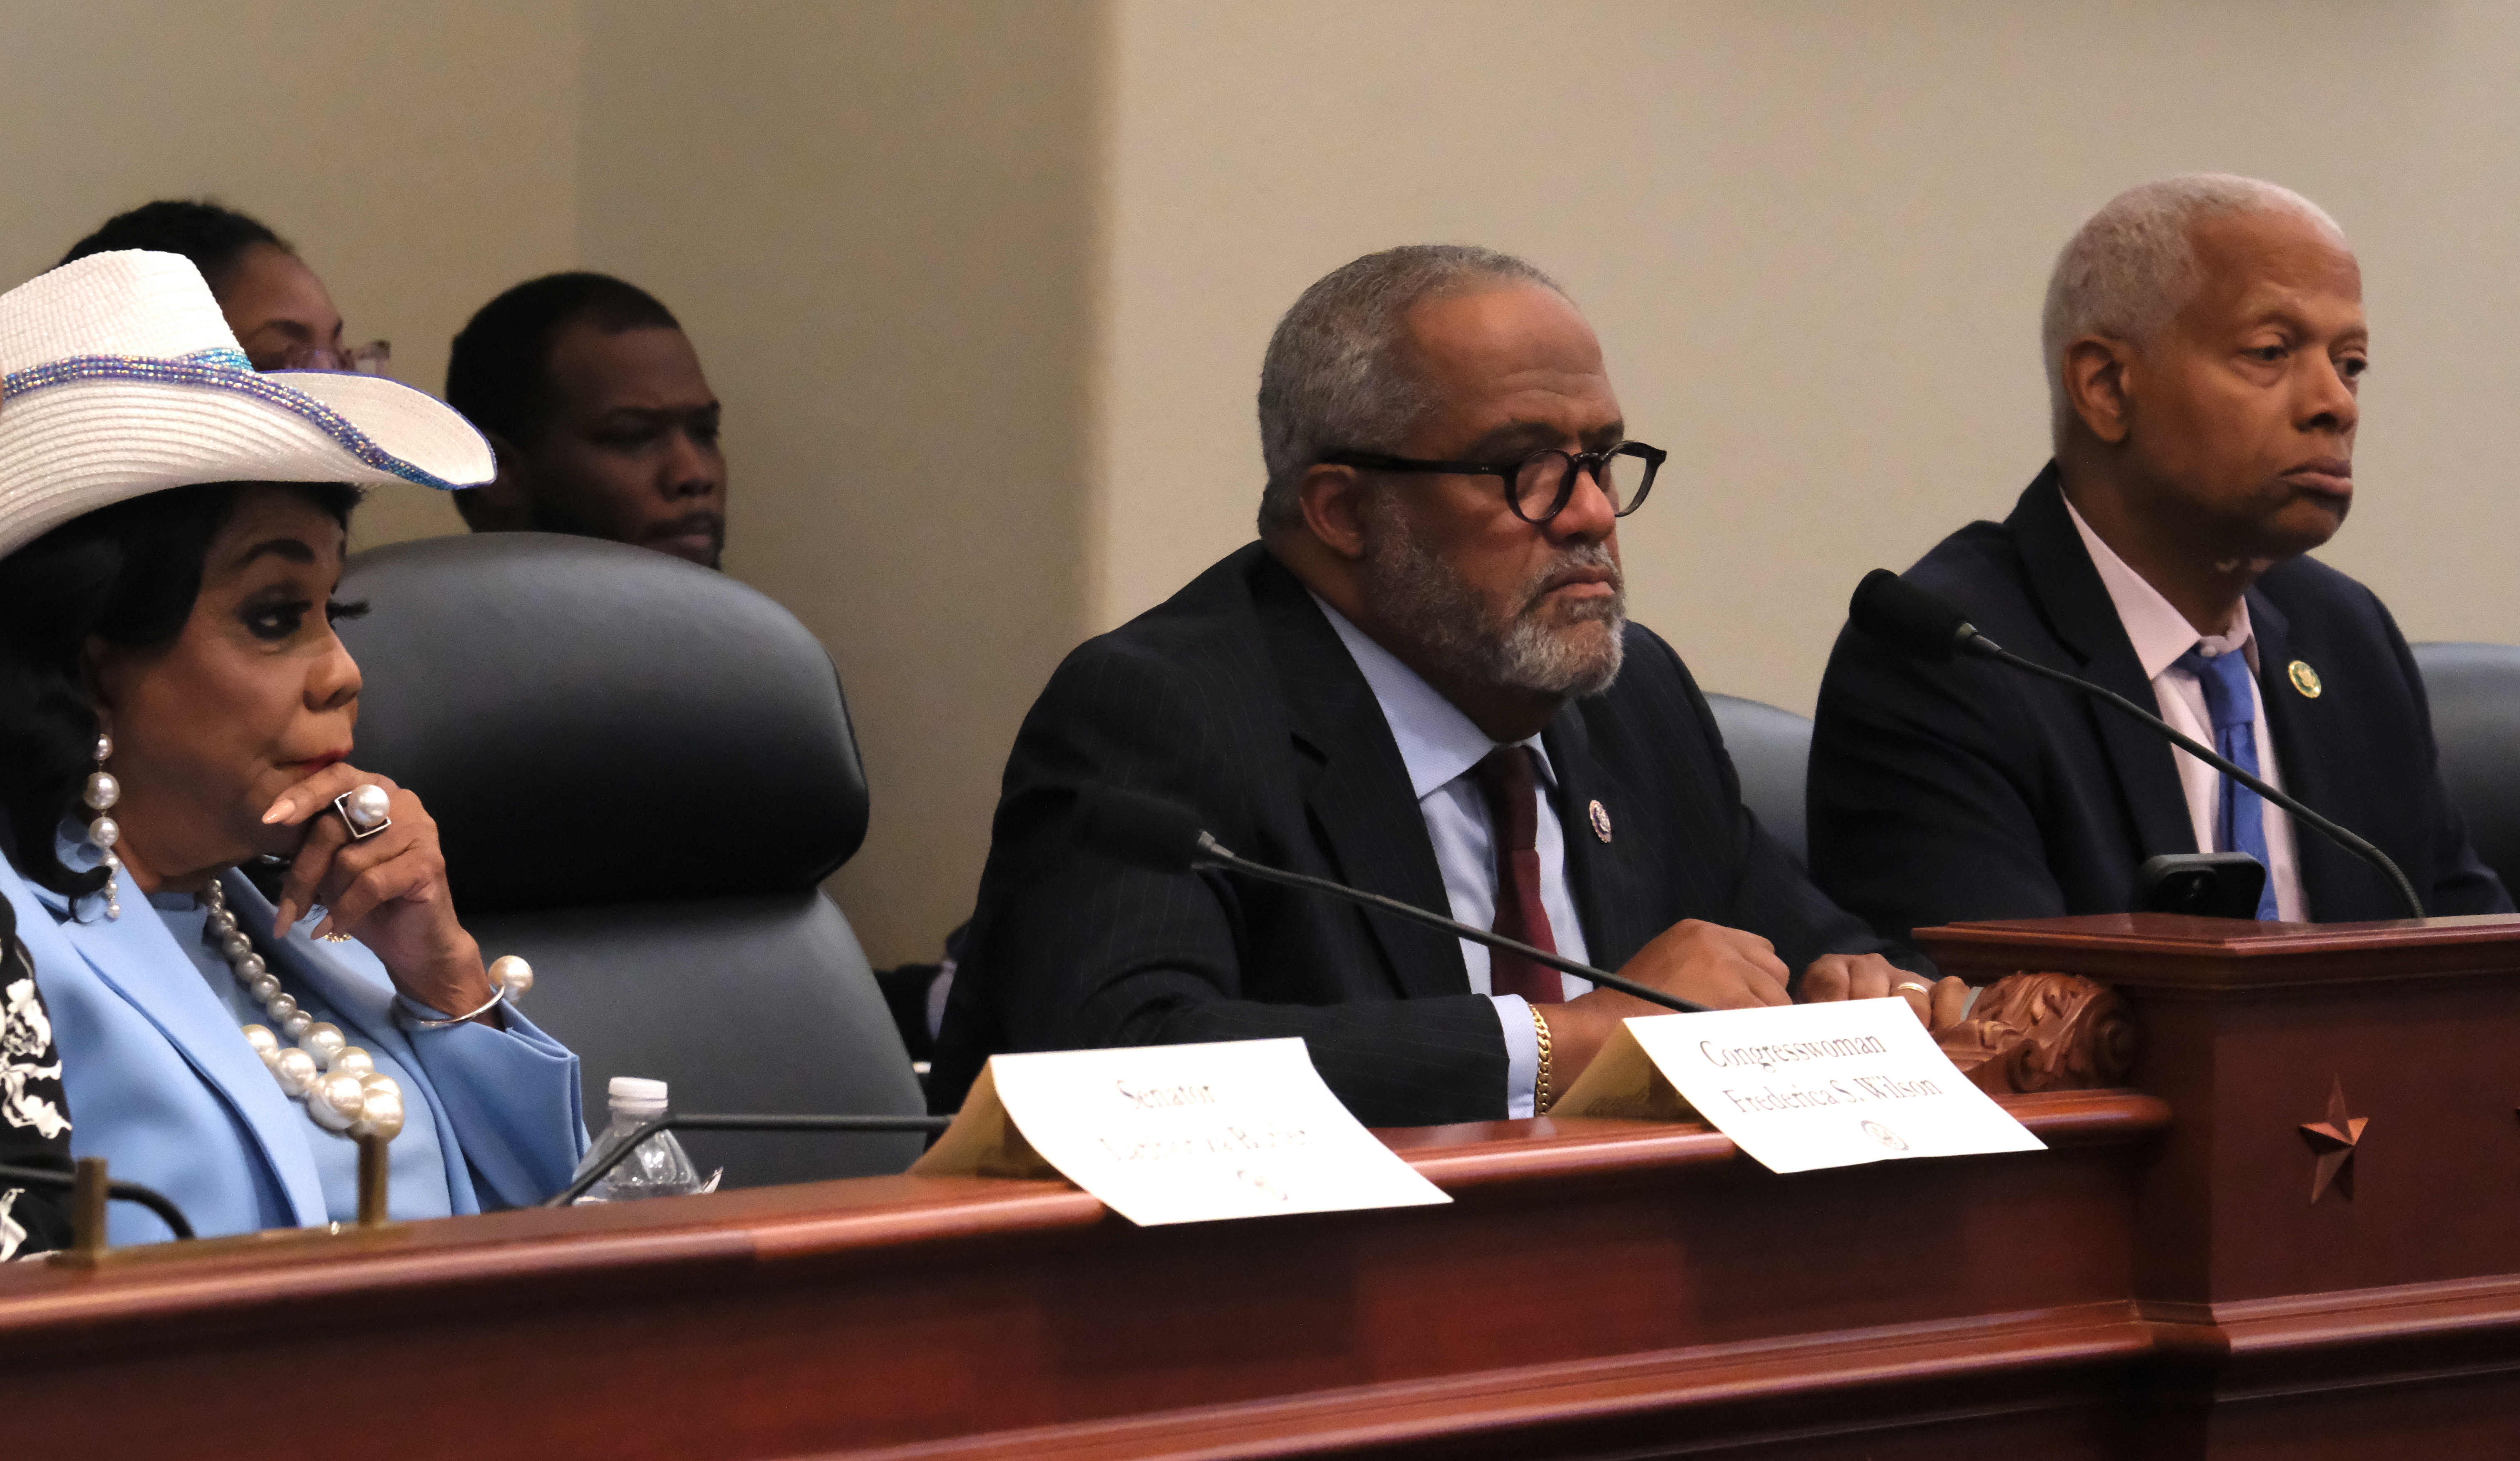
(174, 704)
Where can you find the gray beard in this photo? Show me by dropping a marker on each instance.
(1419, 595)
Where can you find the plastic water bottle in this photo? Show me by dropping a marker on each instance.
(659, 1168)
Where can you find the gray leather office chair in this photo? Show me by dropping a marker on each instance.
(2475, 694)
(1770, 749)
(642, 771)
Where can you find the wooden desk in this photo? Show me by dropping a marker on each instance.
(1595, 1288)
(2248, 1029)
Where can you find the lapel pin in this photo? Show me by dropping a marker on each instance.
(1600, 822)
(2304, 678)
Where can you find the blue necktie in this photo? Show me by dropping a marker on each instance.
(2239, 817)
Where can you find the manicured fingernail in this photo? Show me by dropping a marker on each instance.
(279, 811)
(324, 929)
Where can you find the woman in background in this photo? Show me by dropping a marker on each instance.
(279, 313)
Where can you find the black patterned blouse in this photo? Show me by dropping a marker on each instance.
(34, 1115)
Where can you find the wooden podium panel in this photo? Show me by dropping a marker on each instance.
(1597, 1288)
(2408, 1262)
(2247, 1034)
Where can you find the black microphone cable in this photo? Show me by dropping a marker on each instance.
(673, 1121)
(115, 1191)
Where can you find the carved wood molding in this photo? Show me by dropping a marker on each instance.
(2030, 1032)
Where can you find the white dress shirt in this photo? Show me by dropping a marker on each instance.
(1439, 745)
(2161, 635)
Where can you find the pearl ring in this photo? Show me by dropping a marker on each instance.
(363, 810)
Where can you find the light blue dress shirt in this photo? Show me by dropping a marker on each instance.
(1439, 745)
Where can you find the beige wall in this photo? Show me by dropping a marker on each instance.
(984, 283)
(877, 222)
(422, 157)
(1814, 239)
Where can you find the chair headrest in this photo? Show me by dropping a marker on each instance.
(2464, 675)
(592, 722)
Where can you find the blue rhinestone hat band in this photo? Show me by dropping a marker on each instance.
(225, 370)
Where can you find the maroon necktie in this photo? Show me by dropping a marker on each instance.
(1505, 778)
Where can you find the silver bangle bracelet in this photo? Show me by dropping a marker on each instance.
(407, 1014)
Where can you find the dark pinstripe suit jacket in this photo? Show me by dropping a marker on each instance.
(1968, 790)
(1236, 698)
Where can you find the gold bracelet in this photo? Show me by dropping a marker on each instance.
(1540, 1099)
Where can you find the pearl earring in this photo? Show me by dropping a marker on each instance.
(103, 791)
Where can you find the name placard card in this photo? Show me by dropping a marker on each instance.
(1802, 1086)
(1179, 1133)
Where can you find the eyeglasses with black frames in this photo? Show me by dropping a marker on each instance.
(1541, 485)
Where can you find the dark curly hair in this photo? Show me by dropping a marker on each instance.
(126, 574)
(212, 237)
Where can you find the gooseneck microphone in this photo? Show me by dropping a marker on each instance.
(1928, 625)
(1161, 836)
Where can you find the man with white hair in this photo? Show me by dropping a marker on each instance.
(2205, 342)
(1420, 681)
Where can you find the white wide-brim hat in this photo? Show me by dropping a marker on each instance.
(118, 377)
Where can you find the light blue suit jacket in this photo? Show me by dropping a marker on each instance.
(163, 1086)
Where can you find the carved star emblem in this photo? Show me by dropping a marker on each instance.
(2333, 1141)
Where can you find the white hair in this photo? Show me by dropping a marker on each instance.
(1338, 375)
(2132, 267)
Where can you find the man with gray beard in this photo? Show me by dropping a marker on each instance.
(1421, 682)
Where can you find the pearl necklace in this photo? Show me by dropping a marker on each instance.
(338, 1082)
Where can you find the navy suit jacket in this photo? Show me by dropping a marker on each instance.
(1238, 699)
(1969, 790)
